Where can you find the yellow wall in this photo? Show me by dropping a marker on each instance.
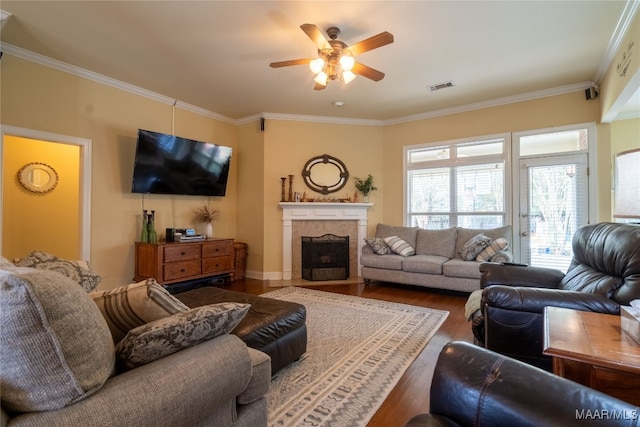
(536, 114)
(43, 221)
(44, 99)
(290, 144)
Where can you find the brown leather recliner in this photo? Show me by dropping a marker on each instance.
(604, 274)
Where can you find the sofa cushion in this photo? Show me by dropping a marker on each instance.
(387, 262)
(130, 306)
(408, 234)
(429, 264)
(496, 246)
(399, 246)
(55, 346)
(436, 242)
(260, 377)
(378, 245)
(163, 337)
(474, 246)
(5, 263)
(76, 270)
(458, 268)
(464, 234)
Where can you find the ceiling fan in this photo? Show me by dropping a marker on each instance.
(336, 60)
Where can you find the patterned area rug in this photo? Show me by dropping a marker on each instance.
(358, 349)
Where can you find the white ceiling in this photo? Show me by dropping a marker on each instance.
(215, 55)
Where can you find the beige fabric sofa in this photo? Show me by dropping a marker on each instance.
(57, 366)
(436, 263)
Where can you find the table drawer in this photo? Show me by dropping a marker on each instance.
(217, 264)
(181, 252)
(182, 269)
(213, 249)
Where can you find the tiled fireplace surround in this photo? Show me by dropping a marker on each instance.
(315, 220)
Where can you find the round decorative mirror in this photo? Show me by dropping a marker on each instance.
(38, 177)
(325, 174)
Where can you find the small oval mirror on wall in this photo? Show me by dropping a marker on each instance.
(38, 177)
(325, 174)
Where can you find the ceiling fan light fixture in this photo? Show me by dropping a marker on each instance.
(321, 78)
(317, 65)
(348, 76)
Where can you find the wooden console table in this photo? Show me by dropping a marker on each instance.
(176, 262)
(592, 349)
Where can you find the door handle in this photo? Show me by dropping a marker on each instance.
(524, 233)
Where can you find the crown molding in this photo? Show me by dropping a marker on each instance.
(628, 14)
(561, 90)
(108, 81)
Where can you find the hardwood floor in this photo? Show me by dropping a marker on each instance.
(411, 395)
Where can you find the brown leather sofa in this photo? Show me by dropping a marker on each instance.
(604, 273)
(277, 328)
(473, 386)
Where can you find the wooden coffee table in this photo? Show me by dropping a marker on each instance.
(592, 349)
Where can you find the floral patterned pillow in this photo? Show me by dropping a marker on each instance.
(474, 246)
(378, 245)
(163, 337)
(78, 271)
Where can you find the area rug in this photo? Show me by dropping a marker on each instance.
(358, 349)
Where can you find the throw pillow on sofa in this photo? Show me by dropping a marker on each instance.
(163, 337)
(76, 270)
(496, 246)
(399, 246)
(378, 245)
(130, 306)
(55, 347)
(474, 246)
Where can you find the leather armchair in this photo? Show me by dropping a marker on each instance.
(604, 273)
(473, 386)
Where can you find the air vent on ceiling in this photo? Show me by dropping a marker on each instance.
(433, 88)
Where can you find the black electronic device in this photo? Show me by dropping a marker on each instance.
(168, 164)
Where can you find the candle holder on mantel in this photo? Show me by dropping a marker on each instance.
(282, 199)
(290, 188)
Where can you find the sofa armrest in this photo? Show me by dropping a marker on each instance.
(534, 300)
(180, 389)
(492, 273)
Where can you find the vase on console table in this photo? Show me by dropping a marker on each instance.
(153, 236)
(144, 236)
(208, 230)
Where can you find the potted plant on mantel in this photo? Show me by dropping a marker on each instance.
(365, 187)
(205, 214)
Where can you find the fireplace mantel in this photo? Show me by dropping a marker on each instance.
(292, 211)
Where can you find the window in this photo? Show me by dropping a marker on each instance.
(458, 184)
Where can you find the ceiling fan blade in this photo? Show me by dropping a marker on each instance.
(371, 43)
(289, 63)
(368, 72)
(318, 86)
(316, 36)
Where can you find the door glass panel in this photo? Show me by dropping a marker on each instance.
(555, 207)
(557, 142)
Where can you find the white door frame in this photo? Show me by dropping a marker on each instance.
(515, 175)
(85, 177)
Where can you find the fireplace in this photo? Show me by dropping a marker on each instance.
(317, 219)
(325, 257)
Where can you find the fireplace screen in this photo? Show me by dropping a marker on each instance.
(325, 257)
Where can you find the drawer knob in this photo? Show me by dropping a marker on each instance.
(182, 270)
(183, 253)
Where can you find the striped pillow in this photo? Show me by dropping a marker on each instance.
(399, 246)
(130, 306)
(496, 246)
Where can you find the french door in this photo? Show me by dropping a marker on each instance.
(553, 205)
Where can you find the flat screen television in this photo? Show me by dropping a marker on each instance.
(168, 164)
